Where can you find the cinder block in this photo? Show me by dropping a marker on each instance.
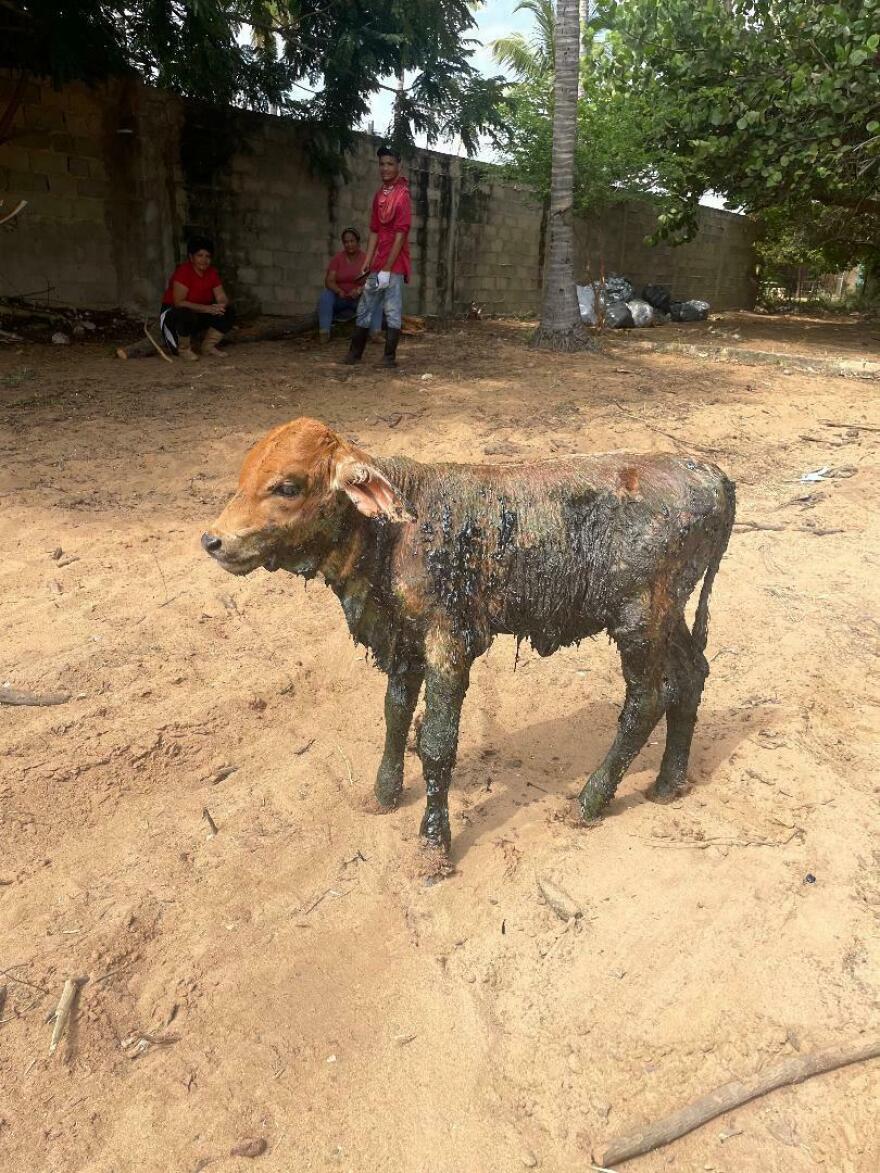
(43, 118)
(63, 185)
(24, 183)
(14, 158)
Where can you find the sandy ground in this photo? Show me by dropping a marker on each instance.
(815, 333)
(291, 979)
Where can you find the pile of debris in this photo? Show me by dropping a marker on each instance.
(22, 321)
(613, 305)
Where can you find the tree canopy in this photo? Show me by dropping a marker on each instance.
(320, 60)
(615, 153)
(772, 104)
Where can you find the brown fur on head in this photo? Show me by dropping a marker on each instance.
(291, 489)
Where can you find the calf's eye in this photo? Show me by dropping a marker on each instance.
(286, 489)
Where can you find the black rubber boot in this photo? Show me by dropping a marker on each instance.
(392, 337)
(358, 342)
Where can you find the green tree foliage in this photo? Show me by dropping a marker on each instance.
(530, 58)
(616, 155)
(773, 104)
(320, 60)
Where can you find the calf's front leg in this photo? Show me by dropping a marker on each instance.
(400, 702)
(445, 690)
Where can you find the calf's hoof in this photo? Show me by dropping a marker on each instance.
(388, 791)
(435, 833)
(593, 800)
(664, 794)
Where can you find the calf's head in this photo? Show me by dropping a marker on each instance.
(300, 488)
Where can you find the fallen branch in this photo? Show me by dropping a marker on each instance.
(733, 1095)
(206, 815)
(62, 1014)
(15, 696)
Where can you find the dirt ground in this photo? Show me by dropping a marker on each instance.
(291, 979)
(814, 333)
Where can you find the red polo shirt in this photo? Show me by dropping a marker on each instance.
(392, 213)
(347, 270)
(199, 286)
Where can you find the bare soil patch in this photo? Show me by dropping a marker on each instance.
(291, 979)
(816, 335)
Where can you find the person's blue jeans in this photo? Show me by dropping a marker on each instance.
(389, 300)
(333, 308)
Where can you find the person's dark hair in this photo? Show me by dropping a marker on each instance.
(386, 150)
(195, 244)
(351, 232)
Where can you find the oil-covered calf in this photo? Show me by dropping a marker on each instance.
(430, 562)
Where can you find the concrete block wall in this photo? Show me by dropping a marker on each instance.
(117, 175)
(718, 265)
(55, 158)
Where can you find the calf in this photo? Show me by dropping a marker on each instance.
(431, 562)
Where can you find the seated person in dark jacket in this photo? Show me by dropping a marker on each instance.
(195, 303)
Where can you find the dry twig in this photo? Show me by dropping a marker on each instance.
(62, 1014)
(347, 764)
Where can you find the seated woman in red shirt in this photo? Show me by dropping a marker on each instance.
(195, 302)
(343, 284)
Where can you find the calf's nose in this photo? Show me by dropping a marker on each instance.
(211, 544)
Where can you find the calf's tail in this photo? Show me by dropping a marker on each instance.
(701, 621)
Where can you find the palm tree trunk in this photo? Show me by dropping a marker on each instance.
(583, 17)
(561, 326)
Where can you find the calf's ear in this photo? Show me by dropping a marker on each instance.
(372, 493)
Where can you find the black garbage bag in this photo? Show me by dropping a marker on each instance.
(618, 317)
(659, 296)
(617, 289)
(689, 311)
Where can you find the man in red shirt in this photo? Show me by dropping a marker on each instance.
(195, 302)
(387, 266)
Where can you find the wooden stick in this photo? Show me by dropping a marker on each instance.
(858, 427)
(161, 353)
(561, 903)
(22, 204)
(15, 696)
(62, 1014)
(733, 1095)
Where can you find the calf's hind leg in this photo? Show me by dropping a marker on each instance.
(645, 672)
(445, 689)
(691, 671)
(400, 702)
